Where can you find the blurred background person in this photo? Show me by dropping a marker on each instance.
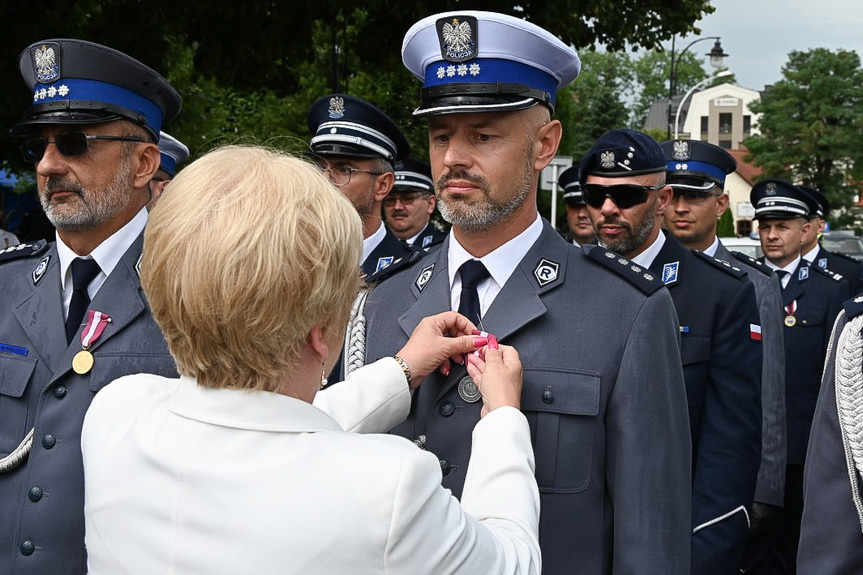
(173, 152)
(409, 206)
(251, 269)
(577, 219)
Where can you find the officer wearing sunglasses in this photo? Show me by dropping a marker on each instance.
(73, 317)
(624, 177)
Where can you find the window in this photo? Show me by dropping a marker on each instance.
(747, 124)
(704, 124)
(744, 228)
(725, 144)
(724, 123)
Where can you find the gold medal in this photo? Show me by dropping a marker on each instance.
(790, 320)
(82, 362)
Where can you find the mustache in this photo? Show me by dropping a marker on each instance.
(53, 186)
(442, 181)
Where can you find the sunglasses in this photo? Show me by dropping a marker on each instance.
(623, 195)
(68, 144)
(693, 196)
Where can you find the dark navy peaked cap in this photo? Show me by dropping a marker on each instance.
(173, 152)
(413, 174)
(820, 200)
(621, 153)
(568, 181)
(79, 82)
(346, 126)
(696, 165)
(778, 199)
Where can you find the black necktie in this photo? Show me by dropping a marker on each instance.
(472, 272)
(781, 275)
(83, 274)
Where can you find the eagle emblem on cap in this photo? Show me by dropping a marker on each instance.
(458, 38)
(771, 189)
(681, 150)
(45, 60)
(606, 159)
(337, 107)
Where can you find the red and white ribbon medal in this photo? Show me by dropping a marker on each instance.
(96, 324)
(790, 320)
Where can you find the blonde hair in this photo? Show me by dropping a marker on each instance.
(247, 250)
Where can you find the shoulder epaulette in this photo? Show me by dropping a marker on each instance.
(752, 262)
(725, 266)
(642, 278)
(853, 307)
(846, 257)
(832, 275)
(23, 250)
(398, 265)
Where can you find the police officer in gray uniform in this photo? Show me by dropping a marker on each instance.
(831, 532)
(603, 385)
(696, 172)
(73, 317)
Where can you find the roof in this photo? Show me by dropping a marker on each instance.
(745, 170)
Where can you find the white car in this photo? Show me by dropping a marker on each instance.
(749, 246)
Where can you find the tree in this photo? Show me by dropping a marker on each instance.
(652, 73)
(250, 69)
(810, 126)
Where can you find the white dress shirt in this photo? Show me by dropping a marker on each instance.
(645, 258)
(107, 255)
(790, 268)
(371, 242)
(500, 263)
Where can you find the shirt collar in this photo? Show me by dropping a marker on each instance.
(501, 261)
(810, 255)
(108, 253)
(790, 268)
(371, 242)
(711, 249)
(645, 258)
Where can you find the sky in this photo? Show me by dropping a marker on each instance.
(758, 34)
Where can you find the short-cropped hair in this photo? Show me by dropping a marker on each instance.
(248, 250)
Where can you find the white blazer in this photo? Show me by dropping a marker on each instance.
(181, 479)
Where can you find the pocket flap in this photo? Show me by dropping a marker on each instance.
(568, 392)
(15, 372)
(694, 349)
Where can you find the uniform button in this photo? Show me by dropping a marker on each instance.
(27, 548)
(548, 396)
(48, 441)
(60, 391)
(35, 494)
(445, 467)
(446, 408)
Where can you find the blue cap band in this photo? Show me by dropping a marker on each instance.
(72, 89)
(703, 167)
(169, 164)
(489, 70)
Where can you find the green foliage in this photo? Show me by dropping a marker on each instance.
(725, 226)
(810, 125)
(651, 72)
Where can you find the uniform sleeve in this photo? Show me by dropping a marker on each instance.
(373, 399)
(729, 445)
(649, 448)
(831, 541)
(494, 530)
(770, 487)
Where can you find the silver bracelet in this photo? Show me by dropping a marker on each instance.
(405, 368)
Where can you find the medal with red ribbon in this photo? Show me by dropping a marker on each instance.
(96, 324)
(790, 320)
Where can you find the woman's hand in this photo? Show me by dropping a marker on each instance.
(498, 376)
(437, 340)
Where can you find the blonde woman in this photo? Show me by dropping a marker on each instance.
(240, 466)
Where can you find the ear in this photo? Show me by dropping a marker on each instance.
(721, 204)
(318, 342)
(663, 200)
(546, 144)
(383, 185)
(148, 161)
(432, 202)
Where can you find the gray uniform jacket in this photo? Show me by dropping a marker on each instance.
(42, 500)
(603, 394)
(770, 486)
(831, 538)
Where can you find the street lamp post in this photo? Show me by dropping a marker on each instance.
(716, 55)
(704, 82)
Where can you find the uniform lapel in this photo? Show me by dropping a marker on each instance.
(668, 263)
(432, 295)
(120, 297)
(794, 289)
(42, 307)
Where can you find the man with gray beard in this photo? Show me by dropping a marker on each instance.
(73, 316)
(603, 391)
(623, 179)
